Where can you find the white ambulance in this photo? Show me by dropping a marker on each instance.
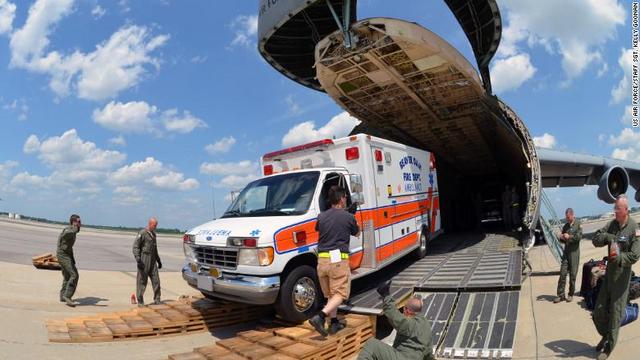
(262, 250)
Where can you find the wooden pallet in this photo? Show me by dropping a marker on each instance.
(171, 318)
(298, 342)
(46, 261)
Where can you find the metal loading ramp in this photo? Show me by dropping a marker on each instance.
(455, 263)
(469, 284)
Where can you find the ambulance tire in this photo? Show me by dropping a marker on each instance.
(421, 251)
(303, 278)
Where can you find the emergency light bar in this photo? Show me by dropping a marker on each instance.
(308, 146)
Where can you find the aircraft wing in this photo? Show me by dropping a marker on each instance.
(564, 169)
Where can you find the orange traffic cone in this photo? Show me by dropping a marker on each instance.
(133, 299)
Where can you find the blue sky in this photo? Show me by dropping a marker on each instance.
(119, 110)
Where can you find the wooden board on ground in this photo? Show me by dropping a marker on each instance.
(296, 342)
(185, 316)
(46, 261)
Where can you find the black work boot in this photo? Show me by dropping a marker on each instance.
(606, 351)
(335, 326)
(317, 321)
(69, 302)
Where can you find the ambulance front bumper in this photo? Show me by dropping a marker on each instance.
(242, 288)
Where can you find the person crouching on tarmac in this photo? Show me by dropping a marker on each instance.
(335, 226)
(145, 250)
(67, 261)
(622, 236)
(413, 333)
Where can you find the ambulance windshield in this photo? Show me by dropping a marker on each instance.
(280, 195)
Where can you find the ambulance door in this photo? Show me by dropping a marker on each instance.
(343, 180)
(382, 214)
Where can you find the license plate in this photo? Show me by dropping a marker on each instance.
(205, 283)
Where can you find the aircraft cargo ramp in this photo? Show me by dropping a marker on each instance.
(469, 283)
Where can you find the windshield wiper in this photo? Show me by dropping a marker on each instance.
(231, 213)
(267, 212)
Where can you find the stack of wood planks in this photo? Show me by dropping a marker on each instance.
(46, 261)
(299, 342)
(171, 318)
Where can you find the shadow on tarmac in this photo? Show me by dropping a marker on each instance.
(571, 348)
(548, 298)
(90, 301)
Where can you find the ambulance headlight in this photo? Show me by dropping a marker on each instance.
(256, 257)
(189, 254)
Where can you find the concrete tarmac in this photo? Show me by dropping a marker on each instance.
(565, 330)
(94, 249)
(29, 297)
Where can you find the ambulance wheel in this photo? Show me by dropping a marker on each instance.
(421, 251)
(299, 295)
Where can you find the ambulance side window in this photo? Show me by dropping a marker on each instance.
(330, 180)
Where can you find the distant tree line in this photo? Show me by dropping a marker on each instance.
(101, 227)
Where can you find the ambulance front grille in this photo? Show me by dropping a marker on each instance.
(226, 258)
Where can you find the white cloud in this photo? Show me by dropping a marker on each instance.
(124, 6)
(119, 63)
(70, 152)
(627, 136)
(20, 107)
(98, 12)
(6, 169)
(173, 181)
(508, 74)
(236, 181)
(130, 190)
(182, 124)
(7, 13)
(115, 65)
(29, 42)
(339, 126)
(631, 154)
(576, 31)
(152, 172)
(602, 138)
(221, 146)
(199, 59)
(294, 108)
(141, 117)
(622, 91)
(545, 141)
(626, 119)
(119, 141)
(136, 171)
(603, 70)
(245, 29)
(245, 167)
(132, 117)
(627, 145)
(127, 195)
(32, 145)
(25, 179)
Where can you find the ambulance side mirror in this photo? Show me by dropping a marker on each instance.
(357, 197)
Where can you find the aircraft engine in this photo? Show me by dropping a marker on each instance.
(613, 182)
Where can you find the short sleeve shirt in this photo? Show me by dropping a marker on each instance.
(335, 226)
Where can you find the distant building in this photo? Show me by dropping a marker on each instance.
(607, 215)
